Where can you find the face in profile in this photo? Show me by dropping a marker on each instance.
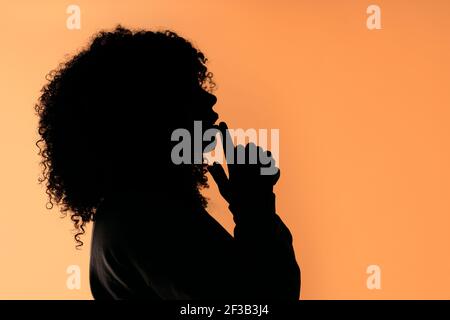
(195, 105)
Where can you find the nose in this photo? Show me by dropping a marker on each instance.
(206, 102)
(212, 99)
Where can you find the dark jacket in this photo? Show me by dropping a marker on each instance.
(145, 252)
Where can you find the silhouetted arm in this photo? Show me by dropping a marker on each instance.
(195, 258)
(260, 233)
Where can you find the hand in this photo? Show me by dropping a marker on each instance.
(246, 189)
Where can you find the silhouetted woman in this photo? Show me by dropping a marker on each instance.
(106, 119)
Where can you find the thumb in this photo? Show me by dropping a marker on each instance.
(221, 179)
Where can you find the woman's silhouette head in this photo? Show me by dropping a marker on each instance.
(107, 114)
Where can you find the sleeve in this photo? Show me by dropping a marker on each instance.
(198, 259)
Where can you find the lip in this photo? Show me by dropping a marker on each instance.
(215, 118)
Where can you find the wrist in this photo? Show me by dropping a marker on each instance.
(246, 209)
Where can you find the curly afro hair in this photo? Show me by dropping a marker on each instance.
(103, 109)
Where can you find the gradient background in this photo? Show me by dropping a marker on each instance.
(364, 133)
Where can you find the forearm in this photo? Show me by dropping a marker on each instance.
(266, 243)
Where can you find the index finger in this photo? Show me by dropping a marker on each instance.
(227, 143)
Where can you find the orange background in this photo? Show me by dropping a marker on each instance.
(364, 133)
